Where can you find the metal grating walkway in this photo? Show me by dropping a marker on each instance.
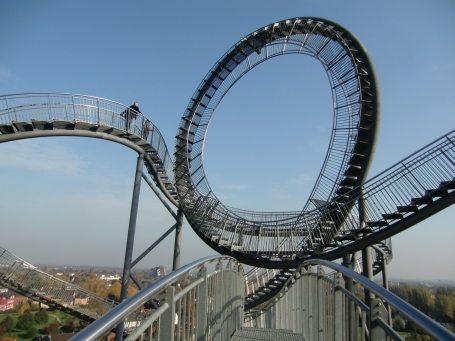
(263, 334)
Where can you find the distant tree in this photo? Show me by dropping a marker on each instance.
(410, 327)
(398, 323)
(401, 290)
(131, 290)
(41, 317)
(34, 306)
(418, 337)
(444, 291)
(31, 332)
(8, 323)
(2, 330)
(70, 324)
(22, 307)
(51, 328)
(25, 320)
(92, 283)
(418, 296)
(114, 290)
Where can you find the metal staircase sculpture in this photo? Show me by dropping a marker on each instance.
(264, 284)
(31, 115)
(267, 239)
(328, 225)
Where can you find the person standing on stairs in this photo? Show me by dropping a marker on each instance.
(130, 115)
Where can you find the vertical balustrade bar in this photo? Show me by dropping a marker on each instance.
(338, 309)
(218, 297)
(167, 319)
(321, 297)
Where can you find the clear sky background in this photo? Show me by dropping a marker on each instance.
(67, 200)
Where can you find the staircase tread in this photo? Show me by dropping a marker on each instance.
(422, 200)
(393, 216)
(408, 208)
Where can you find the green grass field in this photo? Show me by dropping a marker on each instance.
(20, 334)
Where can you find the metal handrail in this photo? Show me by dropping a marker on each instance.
(108, 321)
(381, 204)
(27, 112)
(421, 320)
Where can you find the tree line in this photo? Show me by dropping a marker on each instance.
(437, 303)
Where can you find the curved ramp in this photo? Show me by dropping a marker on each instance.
(27, 280)
(32, 115)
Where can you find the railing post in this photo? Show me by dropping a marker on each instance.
(218, 297)
(201, 306)
(98, 100)
(74, 107)
(321, 304)
(351, 330)
(377, 311)
(7, 108)
(339, 312)
(167, 319)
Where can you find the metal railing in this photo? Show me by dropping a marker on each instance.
(392, 196)
(210, 308)
(322, 306)
(356, 113)
(27, 111)
(22, 277)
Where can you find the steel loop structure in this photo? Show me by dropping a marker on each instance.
(344, 213)
(355, 92)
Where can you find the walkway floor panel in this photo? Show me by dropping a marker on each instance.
(263, 334)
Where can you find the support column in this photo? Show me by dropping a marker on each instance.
(130, 239)
(178, 239)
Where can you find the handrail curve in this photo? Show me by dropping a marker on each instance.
(421, 320)
(105, 323)
(29, 115)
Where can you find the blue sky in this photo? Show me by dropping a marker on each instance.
(67, 200)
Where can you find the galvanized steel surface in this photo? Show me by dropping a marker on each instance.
(31, 115)
(212, 307)
(280, 237)
(317, 305)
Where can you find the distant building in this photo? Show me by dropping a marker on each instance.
(110, 278)
(7, 300)
(79, 299)
(159, 271)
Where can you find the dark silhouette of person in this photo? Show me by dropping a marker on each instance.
(146, 129)
(130, 114)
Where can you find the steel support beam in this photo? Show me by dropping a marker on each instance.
(178, 240)
(130, 239)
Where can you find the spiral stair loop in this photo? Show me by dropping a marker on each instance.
(259, 237)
